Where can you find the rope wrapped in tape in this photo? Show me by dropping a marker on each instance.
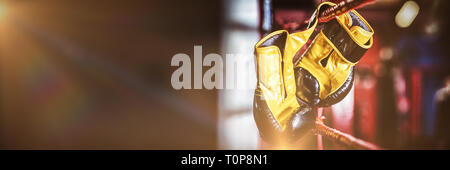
(343, 138)
(340, 8)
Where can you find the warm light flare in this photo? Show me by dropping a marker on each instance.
(2, 10)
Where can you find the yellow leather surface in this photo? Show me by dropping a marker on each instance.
(276, 83)
(337, 69)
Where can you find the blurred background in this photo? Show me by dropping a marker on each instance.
(96, 74)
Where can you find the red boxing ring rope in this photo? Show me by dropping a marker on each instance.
(343, 138)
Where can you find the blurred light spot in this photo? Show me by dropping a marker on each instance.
(407, 14)
(368, 83)
(403, 105)
(432, 28)
(386, 53)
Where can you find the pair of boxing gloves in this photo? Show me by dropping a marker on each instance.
(288, 93)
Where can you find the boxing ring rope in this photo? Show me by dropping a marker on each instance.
(342, 7)
(342, 138)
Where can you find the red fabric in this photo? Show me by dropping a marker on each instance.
(416, 80)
